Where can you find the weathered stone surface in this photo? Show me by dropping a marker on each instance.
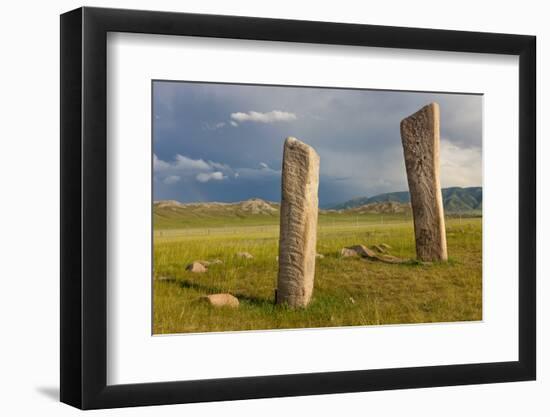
(363, 251)
(244, 255)
(367, 253)
(298, 224)
(420, 138)
(390, 259)
(222, 300)
(196, 267)
(379, 248)
(347, 253)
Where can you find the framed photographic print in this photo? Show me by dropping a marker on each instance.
(258, 207)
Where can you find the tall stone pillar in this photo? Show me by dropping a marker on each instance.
(298, 224)
(420, 138)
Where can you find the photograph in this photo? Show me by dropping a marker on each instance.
(292, 207)
(265, 206)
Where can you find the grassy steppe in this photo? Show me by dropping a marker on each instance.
(348, 291)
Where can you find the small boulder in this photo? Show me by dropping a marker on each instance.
(363, 251)
(347, 252)
(196, 267)
(319, 256)
(222, 300)
(379, 248)
(244, 255)
(385, 246)
(389, 259)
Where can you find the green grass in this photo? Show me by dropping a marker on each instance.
(348, 291)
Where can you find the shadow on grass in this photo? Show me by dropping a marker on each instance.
(209, 289)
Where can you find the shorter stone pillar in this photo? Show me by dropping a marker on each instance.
(420, 138)
(298, 224)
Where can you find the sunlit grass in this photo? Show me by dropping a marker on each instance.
(348, 291)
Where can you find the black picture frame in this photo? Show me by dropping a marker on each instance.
(84, 207)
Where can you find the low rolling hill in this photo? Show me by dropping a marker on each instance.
(169, 214)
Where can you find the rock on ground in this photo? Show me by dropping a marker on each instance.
(364, 252)
(222, 300)
(347, 252)
(196, 267)
(244, 255)
(390, 259)
(379, 248)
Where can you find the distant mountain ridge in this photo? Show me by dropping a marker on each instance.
(171, 213)
(455, 199)
(382, 207)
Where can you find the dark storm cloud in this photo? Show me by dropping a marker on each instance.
(224, 142)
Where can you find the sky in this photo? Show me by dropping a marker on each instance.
(224, 142)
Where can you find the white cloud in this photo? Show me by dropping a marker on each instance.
(183, 168)
(369, 174)
(183, 162)
(258, 117)
(264, 171)
(213, 126)
(460, 167)
(234, 123)
(159, 164)
(207, 176)
(171, 179)
(218, 166)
